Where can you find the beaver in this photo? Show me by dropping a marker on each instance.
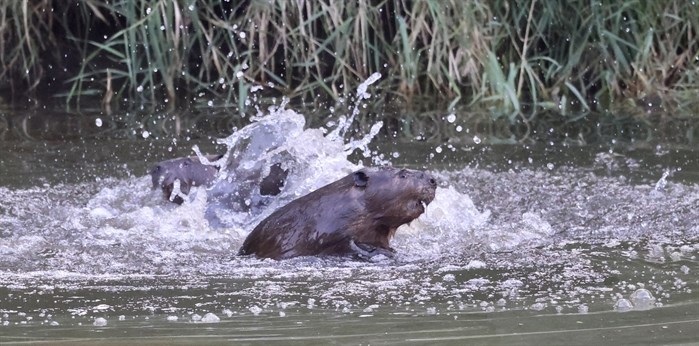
(190, 171)
(251, 174)
(354, 216)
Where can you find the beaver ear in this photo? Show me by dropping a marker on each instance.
(360, 179)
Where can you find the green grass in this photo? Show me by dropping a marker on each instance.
(23, 29)
(514, 60)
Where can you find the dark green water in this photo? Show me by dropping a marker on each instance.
(538, 244)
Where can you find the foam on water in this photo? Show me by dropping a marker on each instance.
(539, 240)
(125, 227)
(451, 218)
(122, 226)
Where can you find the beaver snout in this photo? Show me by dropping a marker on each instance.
(428, 188)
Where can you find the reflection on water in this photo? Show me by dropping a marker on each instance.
(522, 244)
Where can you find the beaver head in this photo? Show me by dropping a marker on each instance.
(393, 197)
(189, 171)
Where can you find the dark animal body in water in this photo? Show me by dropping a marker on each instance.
(190, 171)
(354, 216)
(255, 170)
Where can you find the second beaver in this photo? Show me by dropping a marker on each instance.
(189, 171)
(356, 215)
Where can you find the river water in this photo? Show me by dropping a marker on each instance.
(538, 244)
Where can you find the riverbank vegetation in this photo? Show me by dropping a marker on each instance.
(518, 61)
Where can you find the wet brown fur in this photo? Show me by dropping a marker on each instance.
(365, 207)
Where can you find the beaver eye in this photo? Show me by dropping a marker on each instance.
(403, 174)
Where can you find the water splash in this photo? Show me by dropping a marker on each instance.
(345, 123)
(662, 182)
(546, 240)
(451, 218)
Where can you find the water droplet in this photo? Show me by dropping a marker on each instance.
(210, 318)
(642, 296)
(255, 310)
(623, 305)
(538, 306)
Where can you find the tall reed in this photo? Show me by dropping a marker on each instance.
(25, 33)
(514, 59)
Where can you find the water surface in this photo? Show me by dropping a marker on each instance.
(523, 243)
